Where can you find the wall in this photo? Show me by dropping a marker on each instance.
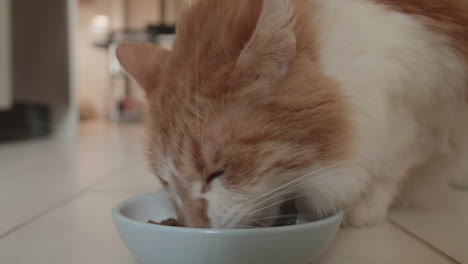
(93, 83)
(65, 116)
(5, 59)
(91, 63)
(142, 12)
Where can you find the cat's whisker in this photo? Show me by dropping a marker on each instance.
(249, 212)
(273, 217)
(296, 180)
(291, 189)
(258, 222)
(276, 203)
(294, 187)
(281, 216)
(235, 215)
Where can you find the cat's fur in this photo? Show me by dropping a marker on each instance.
(338, 103)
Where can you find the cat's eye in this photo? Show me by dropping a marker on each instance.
(163, 182)
(214, 175)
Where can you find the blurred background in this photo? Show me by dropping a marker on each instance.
(71, 136)
(58, 65)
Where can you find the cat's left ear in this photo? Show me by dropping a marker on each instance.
(143, 62)
(273, 43)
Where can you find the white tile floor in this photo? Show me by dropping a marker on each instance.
(56, 198)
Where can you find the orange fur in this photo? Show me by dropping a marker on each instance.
(449, 17)
(241, 91)
(209, 105)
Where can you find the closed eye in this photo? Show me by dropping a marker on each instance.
(214, 175)
(163, 182)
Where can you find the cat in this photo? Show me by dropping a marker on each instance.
(353, 104)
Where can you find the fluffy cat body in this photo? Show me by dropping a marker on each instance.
(359, 104)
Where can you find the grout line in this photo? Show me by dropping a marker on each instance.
(424, 242)
(57, 205)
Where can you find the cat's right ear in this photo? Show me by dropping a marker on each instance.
(143, 62)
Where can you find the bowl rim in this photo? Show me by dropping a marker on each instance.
(118, 216)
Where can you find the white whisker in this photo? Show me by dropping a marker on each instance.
(291, 187)
(296, 180)
(281, 216)
(276, 203)
(294, 187)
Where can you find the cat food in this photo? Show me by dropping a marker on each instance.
(167, 222)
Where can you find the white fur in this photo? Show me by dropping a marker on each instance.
(407, 89)
(167, 170)
(166, 173)
(222, 205)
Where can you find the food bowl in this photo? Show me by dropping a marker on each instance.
(154, 244)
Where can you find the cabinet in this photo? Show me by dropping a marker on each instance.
(40, 51)
(36, 69)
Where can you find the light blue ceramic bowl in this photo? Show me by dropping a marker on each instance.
(154, 244)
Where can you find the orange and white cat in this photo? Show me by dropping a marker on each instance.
(359, 104)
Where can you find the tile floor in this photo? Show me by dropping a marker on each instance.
(56, 198)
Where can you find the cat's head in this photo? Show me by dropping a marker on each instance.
(238, 111)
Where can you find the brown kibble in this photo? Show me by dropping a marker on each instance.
(167, 222)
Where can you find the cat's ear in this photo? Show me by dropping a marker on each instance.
(143, 62)
(273, 43)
